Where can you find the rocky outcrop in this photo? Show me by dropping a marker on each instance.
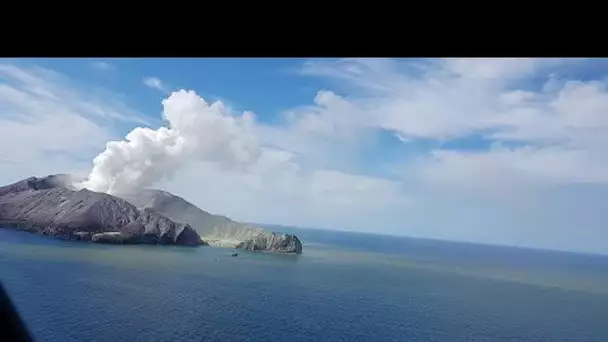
(49, 206)
(278, 243)
(215, 229)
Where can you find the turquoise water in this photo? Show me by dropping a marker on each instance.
(345, 287)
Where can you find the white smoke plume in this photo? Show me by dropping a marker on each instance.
(195, 130)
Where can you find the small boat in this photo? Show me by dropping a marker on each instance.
(235, 254)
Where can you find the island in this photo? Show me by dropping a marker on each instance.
(52, 206)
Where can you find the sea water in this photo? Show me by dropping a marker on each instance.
(344, 287)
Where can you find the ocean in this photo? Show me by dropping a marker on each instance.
(344, 287)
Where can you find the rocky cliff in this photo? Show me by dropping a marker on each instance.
(50, 206)
(216, 230)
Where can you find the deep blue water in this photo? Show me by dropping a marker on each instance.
(345, 287)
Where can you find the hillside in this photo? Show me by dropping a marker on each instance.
(215, 229)
(48, 206)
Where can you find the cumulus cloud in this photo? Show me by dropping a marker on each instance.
(155, 83)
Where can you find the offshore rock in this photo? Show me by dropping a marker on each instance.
(273, 242)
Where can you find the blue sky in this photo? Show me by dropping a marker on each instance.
(266, 86)
(507, 151)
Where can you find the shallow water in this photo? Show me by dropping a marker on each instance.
(345, 287)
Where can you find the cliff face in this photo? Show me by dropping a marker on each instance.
(48, 206)
(215, 229)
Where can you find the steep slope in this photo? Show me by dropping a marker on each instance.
(47, 206)
(215, 229)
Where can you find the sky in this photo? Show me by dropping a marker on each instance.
(500, 151)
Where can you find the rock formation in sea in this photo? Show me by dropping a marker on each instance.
(272, 242)
(50, 206)
(215, 229)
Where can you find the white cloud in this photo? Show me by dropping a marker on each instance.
(49, 125)
(557, 129)
(446, 99)
(548, 136)
(101, 65)
(155, 83)
(278, 190)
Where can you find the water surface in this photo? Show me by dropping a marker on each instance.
(345, 287)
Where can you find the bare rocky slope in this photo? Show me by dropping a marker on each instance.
(50, 206)
(215, 229)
